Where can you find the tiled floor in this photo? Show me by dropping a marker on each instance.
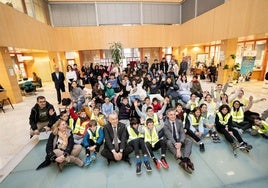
(217, 167)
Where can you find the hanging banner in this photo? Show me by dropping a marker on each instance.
(247, 67)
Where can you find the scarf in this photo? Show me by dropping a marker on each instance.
(62, 140)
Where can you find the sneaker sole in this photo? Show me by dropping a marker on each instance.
(165, 167)
(139, 173)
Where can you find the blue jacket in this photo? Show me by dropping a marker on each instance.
(99, 141)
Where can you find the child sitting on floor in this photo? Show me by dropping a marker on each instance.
(92, 141)
(260, 127)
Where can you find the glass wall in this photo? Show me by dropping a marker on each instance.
(37, 9)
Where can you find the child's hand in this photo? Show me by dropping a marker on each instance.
(142, 121)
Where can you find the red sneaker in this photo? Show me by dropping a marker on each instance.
(157, 163)
(164, 163)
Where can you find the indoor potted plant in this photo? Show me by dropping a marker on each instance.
(117, 51)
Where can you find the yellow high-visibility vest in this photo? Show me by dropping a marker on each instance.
(80, 127)
(132, 134)
(151, 136)
(224, 120)
(238, 116)
(71, 123)
(155, 120)
(91, 135)
(194, 121)
(263, 129)
(193, 105)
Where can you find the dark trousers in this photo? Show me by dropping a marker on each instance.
(221, 129)
(250, 116)
(138, 144)
(160, 144)
(244, 125)
(92, 143)
(62, 89)
(106, 153)
(70, 85)
(192, 135)
(212, 77)
(200, 95)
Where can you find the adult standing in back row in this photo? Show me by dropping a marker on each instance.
(183, 66)
(58, 79)
(70, 76)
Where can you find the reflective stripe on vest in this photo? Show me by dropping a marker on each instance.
(91, 135)
(238, 116)
(71, 124)
(80, 127)
(132, 134)
(263, 129)
(151, 136)
(194, 121)
(224, 120)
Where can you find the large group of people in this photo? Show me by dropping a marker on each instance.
(141, 108)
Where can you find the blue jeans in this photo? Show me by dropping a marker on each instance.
(79, 104)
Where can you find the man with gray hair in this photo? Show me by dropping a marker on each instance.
(115, 147)
(177, 143)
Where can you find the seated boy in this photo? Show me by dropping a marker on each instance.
(260, 127)
(152, 141)
(92, 141)
(136, 140)
(78, 123)
(98, 116)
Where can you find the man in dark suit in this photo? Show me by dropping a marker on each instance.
(115, 147)
(177, 143)
(58, 79)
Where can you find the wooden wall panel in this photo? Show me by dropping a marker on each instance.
(234, 18)
(19, 30)
(8, 78)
